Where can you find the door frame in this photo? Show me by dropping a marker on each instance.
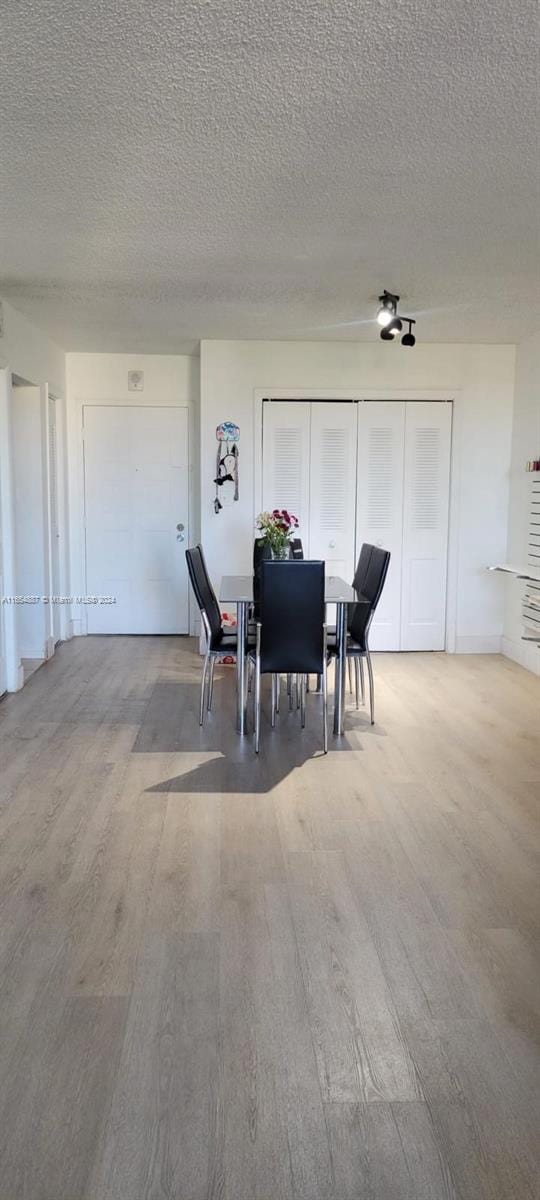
(14, 670)
(452, 396)
(8, 615)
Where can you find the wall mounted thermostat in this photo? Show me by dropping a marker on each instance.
(135, 381)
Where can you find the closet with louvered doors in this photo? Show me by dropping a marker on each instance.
(370, 471)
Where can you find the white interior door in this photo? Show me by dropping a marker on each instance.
(136, 496)
(332, 509)
(381, 433)
(286, 460)
(428, 429)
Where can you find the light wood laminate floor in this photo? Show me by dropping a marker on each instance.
(264, 979)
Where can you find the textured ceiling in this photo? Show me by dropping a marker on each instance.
(179, 169)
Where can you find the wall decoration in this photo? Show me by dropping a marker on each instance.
(227, 476)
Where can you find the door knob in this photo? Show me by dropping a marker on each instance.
(180, 527)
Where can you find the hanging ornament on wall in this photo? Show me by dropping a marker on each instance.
(226, 480)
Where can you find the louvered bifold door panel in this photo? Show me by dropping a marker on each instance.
(286, 459)
(333, 486)
(381, 427)
(425, 525)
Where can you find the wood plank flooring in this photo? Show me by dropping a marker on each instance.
(284, 978)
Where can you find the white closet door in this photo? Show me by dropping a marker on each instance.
(425, 525)
(333, 486)
(286, 460)
(381, 431)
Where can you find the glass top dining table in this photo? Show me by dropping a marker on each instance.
(238, 589)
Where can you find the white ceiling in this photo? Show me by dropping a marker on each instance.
(179, 169)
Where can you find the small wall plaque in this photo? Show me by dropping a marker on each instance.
(135, 381)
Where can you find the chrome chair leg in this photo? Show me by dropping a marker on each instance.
(298, 682)
(302, 686)
(257, 697)
(357, 680)
(203, 688)
(349, 669)
(371, 687)
(325, 699)
(278, 691)
(362, 686)
(211, 683)
(274, 689)
(290, 691)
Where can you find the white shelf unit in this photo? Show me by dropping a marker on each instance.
(531, 595)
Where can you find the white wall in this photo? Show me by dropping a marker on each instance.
(481, 380)
(30, 353)
(103, 379)
(525, 446)
(30, 520)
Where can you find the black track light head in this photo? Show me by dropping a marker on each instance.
(409, 339)
(388, 302)
(395, 326)
(386, 336)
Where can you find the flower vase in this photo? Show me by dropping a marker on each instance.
(282, 553)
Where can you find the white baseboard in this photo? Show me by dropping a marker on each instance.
(49, 648)
(75, 628)
(527, 654)
(479, 644)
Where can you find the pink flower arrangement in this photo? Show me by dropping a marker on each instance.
(277, 528)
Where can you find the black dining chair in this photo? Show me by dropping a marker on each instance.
(360, 573)
(291, 632)
(218, 641)
(261, 552)
(369, 581)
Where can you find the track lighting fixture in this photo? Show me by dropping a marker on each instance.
(392, 323)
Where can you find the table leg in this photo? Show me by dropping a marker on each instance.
(341, 663)
(241, 616)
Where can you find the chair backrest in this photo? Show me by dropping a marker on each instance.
(261, 550)
(297, 549)
(362, 566)
(203, 590)
(371, 590)
(292, 617)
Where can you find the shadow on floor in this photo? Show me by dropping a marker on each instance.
(171, 726)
